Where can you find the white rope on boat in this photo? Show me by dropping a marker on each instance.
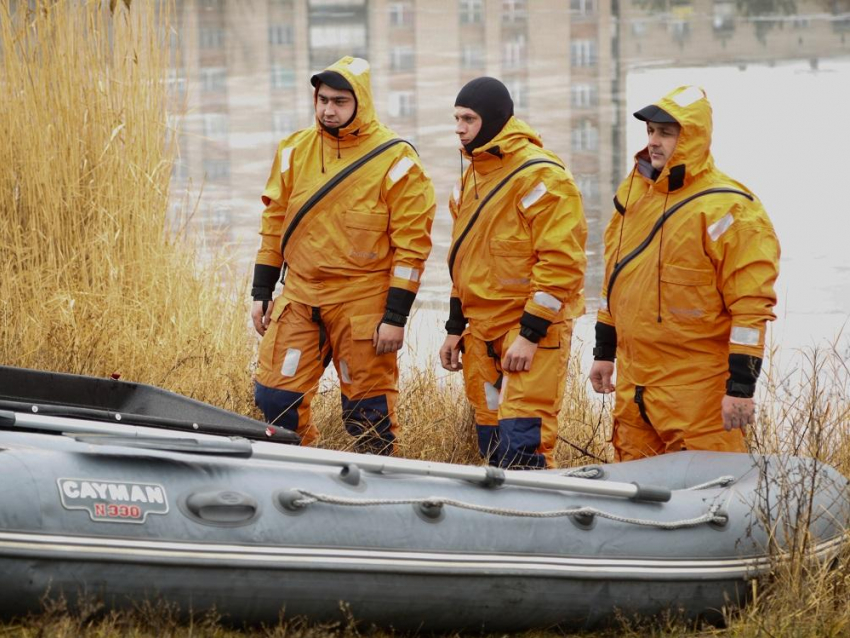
(712, 516)
(589, 472)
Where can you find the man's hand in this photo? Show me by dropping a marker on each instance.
(387, 338)
(600, 376)
(737, 412)
(261, 320)
(518, 357)
(450, 353)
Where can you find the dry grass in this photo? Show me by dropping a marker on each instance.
(92, 282)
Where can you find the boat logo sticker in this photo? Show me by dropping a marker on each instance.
(113, 502)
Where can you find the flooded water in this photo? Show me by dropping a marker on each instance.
(777, 74)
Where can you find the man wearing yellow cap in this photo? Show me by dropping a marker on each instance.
(691, 258)
(347, 219)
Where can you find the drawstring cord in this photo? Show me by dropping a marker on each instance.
(660, 248)
(322, 147)
(474, 181)
(338, 156)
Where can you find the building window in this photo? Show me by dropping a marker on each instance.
(472, 56)
(401, 104)
(519, 92)
(583, 53)
(583, 96)
(213, 79)
(513, 10)
(585, 136)
(583, 7)
(341, 36)
(471, 11)
(401, 58)
(281, 34)
(215, 126)
(283, 123)
(210, 38)
(282, 77)
(216, 170)
(513, 52)
(400, 14)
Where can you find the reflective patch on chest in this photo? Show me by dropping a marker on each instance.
(689, 313)
(113, 502)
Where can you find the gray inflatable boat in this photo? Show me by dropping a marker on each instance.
(162, 504)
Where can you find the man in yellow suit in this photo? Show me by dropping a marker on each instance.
(348, 219)
(690, 262)
(517, 263)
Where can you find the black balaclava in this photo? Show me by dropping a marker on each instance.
(490, 99)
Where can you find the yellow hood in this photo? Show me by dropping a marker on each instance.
(691, 109)
(358, 73)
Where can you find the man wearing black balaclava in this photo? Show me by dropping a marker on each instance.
(517, 264)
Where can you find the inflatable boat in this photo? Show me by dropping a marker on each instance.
(169, 499)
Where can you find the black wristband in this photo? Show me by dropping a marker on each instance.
(457, 322)
(740, 390)
(400, 300)
(532, 335)
(265, 279)
(394, 318)
(606, 342)
(535, 324)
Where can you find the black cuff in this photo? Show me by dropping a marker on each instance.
(744, 370)
(400, 301)
(531, 335)
(740, 390)
(606, 342)
(265, 279)
(394, 318)
(534, 325)
(457, 322)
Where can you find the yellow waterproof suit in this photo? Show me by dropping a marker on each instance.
(690, 262)
(517, 262)
(354, 251)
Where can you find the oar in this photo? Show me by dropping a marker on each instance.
(351, 464)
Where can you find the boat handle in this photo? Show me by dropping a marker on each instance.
(222, 506)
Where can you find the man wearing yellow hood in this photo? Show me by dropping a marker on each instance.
(690, 262)
(517, 263)
(347, 220)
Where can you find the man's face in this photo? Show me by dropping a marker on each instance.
(467, 124)
(662, 141)
(334, 107)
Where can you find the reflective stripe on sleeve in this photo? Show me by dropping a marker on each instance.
(456, 193)
(290, 362)
(720, 226)
(745, 336)
(536, 193)
(603, 303)
(403, 272)
(285, 154)
(400, 169)
(343, 371)
(546, 300)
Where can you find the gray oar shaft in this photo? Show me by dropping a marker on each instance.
(486, 476)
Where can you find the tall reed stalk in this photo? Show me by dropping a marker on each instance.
(91, 280)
